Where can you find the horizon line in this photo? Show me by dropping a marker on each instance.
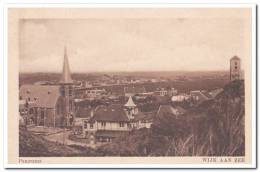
(145, 71)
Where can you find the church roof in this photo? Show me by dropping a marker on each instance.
(66, 75)
(45, 96)
(130, 102)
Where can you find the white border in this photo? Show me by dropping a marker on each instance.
(149, 5)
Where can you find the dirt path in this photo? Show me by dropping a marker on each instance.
(63, 138)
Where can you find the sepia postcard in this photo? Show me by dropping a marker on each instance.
(161, 87)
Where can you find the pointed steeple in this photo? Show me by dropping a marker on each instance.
(66, 76)
(130, 102)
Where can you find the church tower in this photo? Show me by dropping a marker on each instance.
(66, 84)
(131, 108)
(235, 68)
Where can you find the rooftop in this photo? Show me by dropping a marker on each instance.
(40, 95)
(110, 113)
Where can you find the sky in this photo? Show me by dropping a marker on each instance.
(179, 42)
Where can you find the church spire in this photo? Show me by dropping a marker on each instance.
(66, 76)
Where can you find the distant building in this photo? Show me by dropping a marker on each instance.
(133, 90)
(172, 92)
(235, 68)
(166, 92)
(180, 98)
(95, 93)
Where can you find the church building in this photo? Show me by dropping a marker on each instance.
(49, 105)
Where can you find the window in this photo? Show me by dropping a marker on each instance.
(121, 124)
(103, 124)
(85, 124)
(91, 126)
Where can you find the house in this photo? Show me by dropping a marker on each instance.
(82, 117)
(110, 121)
(106, 121)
